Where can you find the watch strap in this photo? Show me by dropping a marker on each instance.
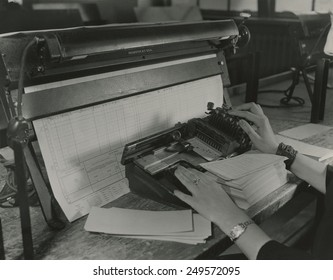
(287, 151)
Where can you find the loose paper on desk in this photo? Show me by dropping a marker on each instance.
(305, 131)
(82, 149)
(7, 153)
(179, 225)
(201, 231)
(242, 165)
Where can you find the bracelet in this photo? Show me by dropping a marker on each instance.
(288, 152)
(239, 229)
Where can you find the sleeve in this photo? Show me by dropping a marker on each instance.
(323, 242)
(329, 186)
(274, 250)
(329, 174)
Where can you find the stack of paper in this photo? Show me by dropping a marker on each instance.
(249, 177)
(179, 226)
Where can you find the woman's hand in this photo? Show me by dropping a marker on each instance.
(212, 202)
(263, 138)
(209, 199)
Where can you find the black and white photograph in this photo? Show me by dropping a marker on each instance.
(166, 138)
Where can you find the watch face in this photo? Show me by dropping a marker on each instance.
(236, 232)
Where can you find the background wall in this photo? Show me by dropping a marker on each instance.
(122, 10)
(240, 5)
(324, 5)
(214, 5)
(110, 10)
(297, 6)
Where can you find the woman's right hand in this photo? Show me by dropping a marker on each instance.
(209, 199)
(263, 138)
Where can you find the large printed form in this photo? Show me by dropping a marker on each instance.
(82, 149)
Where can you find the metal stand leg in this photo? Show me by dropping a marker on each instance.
(2, 248)
(319, 92)
(252, 84)
(20, 173)
(45, 198)
(18, 138)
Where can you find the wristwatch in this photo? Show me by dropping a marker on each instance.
(287, 151)
(239, 229)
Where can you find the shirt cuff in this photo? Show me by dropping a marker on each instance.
(273, 250)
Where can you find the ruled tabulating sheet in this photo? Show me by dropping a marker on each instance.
(82, 149)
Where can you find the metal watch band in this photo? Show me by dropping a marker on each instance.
(239, 229)
(288, 152)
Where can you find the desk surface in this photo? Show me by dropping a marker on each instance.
(73, 242)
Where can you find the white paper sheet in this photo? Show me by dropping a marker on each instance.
(166, 238)
(305, 131)
(179, 226)
(138, 222)
(202, 229)
(82, 149)
(7, 153)
(242, 165)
